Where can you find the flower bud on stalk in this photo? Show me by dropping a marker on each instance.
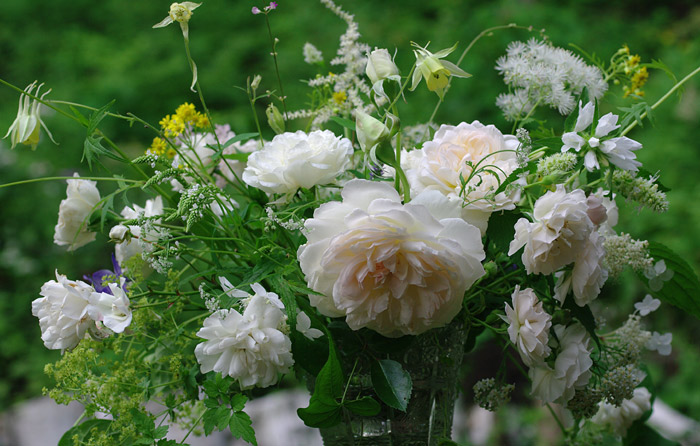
(275, 119)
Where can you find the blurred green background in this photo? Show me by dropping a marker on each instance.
(92, 52)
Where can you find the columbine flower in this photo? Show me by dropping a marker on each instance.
(529, 326)
(142, 240)
(381, 67)
(111, 308)
(26, 127)
(436, 72)
(181, 13)
(571, 368)
(397, 269)
(248, 347)
(620, 418)
(648, 305)
(63, 312)
(617, 150)
(298, 160)
(74, 211)
(452, 155)
(304, 327)
(559, 233)
(660, 342)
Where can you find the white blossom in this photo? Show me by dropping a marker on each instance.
(390, 267)
(74, 212)
(621, 418)
(660, 342)
(647, 305)
(304, 327)
(26, 127)
(529, 326)
(588, 275)
(312, 55)
(111, 309)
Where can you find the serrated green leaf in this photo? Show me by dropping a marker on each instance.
(222, 415)
(240, 426)
(324, 410)
(682, 289)
(344, 122)
(238, 402)
(209, 420)
(392, 383)
(160, 431)
(97, 116)
(83, 431)
(211, 403)
(365, 407)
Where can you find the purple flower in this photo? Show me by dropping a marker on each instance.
(256, 10)
(273, 5)
(101, 279)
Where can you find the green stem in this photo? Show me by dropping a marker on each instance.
(36, 180)
(660, 101)
(277, 70)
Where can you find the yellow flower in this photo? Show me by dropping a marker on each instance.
(27, 125)
(201, 121)
(158, 146)
(186, 112)
(339, 97)
(435, 71)
(172, 125)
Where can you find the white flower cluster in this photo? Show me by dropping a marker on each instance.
(540, 73)
(69, 308)
(250, 347)
(143, 236)
(312, 55)
(82, 197)
(621, 417)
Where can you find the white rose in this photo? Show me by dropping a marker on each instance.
(298, 160)
(588, 275)
(248, 347)
(112, 309)
(74, 212)
(390, 267)
(62, 312)
(529, 326)
(141, 242)
(440, 162)
(621, 418)
(560, 231)
(571, 368)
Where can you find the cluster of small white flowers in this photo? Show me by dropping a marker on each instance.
(290, 225)
(644, 191)
(620, 418)
(622, 251)
(490, 396)
(210, 301)
(542, 73)
(558, 163)
(523, 151)
(632, 338)
(312, 55)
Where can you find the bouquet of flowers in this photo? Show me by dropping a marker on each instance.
(362, 255)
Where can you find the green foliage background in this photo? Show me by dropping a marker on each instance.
(92, 52)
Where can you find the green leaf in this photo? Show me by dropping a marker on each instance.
(320, 414)
(682, 289)
(160, 431)
(501, 229)
(385, 153)
(83, 431)
(237, 156)
(281, 285)
(107, 206)
(324, 410)
(241, 137)
(639, 434)
(238, 402)
(365, 407)
(344, 122)
(222, 415)
(240, 426)
(392, 383)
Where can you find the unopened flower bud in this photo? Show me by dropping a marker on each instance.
(380, 66)
(118, 233)
(255, 83)
(596, 211)
(275, 119)
(370, 131)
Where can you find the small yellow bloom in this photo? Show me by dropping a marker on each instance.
(171, 153)
(339, 97)
(435, 71)
(201, 121)
(158, 146)
(186, 112)
(172, 125)
(27, 125)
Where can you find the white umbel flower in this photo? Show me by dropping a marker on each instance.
(621, 418)
(454, 152)
(298, 160)
(74, 212)
(63, 312)
(560, 231)
(142, 241)
(571, 368)
(529, 326)
(111, 309)
(394, 268)
(248, 347)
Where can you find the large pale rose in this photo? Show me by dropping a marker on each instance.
(529, 326)
(63, 312)
(74, 212)
(440, 162)
(298, 160)
(397, 269)
(248, 347)
(111, 308)
(588, 275)
(559, 233)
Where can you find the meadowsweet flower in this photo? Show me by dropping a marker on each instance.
(648, 305)
(298, 160)
(394, 268)
(644, 191)
(619, 419)
(660, 342)
(529, 326)
(82, 197)
(619, 382)
(143, 235)
(63, 312)
(557, 164)
(619, 151)
(622, 251)
(490, 396)
(27, 125)
(248, 347)
(312, 55)
(434, 70)
(540, 73)
(381, 67)
(447, 161)
(560, 231)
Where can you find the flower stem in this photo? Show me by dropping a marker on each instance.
(277, 70)
(36, 180)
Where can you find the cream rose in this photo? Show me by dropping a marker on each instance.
(588, 275)
(560, 231)
(74, 212)
(394, 268)
(298, 160)
(455, 151)
(529, 326)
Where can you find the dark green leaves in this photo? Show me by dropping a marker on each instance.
(93, 148)
(501, 229)
(84, 431)
(225, 409)
(392, 383)
(682, 289)
(348, 124)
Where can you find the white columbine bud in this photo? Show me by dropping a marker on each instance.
(370, 130)
(381, 67)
